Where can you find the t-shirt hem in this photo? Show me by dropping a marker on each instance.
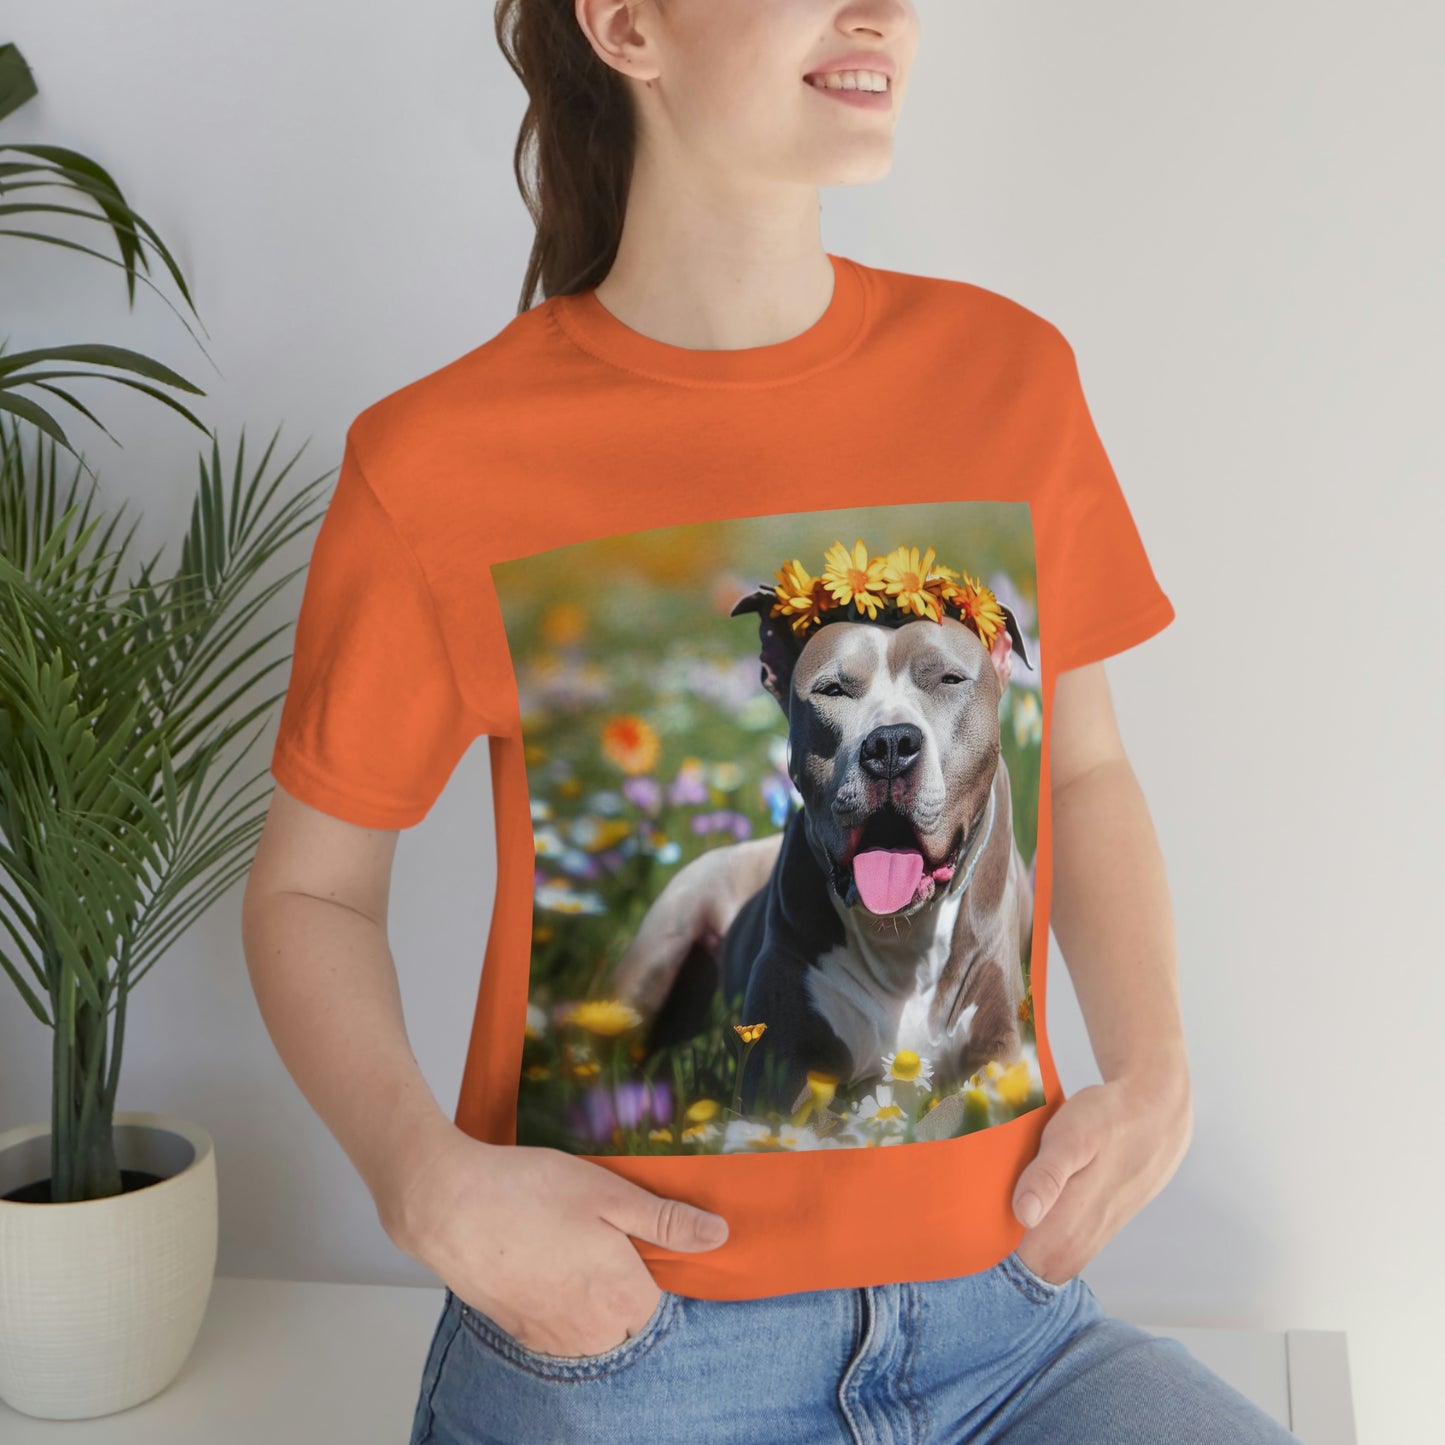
(794, 1218)
(304, 781)
(1119, 636)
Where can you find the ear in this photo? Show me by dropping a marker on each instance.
(1002, 652)
(1016, 635)
(780, 645)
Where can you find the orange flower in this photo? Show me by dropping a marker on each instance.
(631, 742)
(976, 603)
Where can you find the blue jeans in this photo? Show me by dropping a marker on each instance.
(1000, 1355)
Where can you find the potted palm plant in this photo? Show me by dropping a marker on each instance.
(127, 702)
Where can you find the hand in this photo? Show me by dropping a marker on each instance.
(1103, 1156)
(537, 1239)
(696, 905)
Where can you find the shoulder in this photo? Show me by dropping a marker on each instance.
(945, 312)
(442, 426)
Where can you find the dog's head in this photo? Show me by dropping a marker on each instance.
(893, 741)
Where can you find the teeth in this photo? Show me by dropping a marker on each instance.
(850, 80)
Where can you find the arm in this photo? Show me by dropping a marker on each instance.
(1110, 1148)
(536, 1238)
(1111, 909)
(314, 920)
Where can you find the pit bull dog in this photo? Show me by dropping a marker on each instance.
(899, 907)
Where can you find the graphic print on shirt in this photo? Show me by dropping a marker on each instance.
(784, 780)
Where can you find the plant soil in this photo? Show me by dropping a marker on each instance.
(39, 1191)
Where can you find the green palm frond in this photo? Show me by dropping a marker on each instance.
(129, 701)
(17, 85)
(87, 192)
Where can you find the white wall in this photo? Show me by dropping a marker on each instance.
(1234, 213)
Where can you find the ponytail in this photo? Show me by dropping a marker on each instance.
(574, 152)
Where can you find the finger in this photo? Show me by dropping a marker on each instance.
(1062, 1154)
(658, 1219)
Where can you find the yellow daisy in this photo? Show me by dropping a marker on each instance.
(800, 595)
(605, 1016)
(855, 577)
(906, 1067)
(905, 575)
(940, 582)
(879, 1108)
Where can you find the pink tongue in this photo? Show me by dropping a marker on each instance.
(887, 878)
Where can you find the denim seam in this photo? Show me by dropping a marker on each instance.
(864, 1311)
(917, 1405)
(595, 1367)
(431, 1389)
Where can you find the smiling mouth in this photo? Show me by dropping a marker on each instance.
(870, 80)
(889, 869)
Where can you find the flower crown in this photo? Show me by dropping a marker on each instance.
(895, 586)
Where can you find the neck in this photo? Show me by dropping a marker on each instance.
(716, 282)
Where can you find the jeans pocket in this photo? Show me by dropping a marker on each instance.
(1032, 1286)
(486, 1331)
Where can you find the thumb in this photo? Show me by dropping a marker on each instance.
(1043, 1179)
(1071, 1140)
(659, 1220)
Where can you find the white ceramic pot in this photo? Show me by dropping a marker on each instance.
(102, 1300)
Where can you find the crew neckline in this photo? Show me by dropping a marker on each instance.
(597, 331)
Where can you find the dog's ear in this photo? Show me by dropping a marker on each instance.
(780, 645)
(1016, 635)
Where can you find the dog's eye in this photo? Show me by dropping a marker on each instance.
(952, 677)
(831, 688)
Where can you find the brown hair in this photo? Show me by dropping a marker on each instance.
(574, 152)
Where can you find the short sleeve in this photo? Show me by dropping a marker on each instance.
(373, 722)
(1106, 597)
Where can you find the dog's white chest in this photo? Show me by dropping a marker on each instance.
(915, 1032)
(877, 997)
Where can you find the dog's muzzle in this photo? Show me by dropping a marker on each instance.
(888, 871)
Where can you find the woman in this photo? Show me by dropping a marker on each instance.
(759, 568)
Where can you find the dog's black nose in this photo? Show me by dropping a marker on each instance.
(889, 751)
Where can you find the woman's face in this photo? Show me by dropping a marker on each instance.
(737, 87)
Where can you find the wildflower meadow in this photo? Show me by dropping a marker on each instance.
(648, 739)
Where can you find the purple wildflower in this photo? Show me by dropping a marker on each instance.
(688, 786)
(644, 791)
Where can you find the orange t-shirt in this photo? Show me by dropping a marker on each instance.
(782, 623)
